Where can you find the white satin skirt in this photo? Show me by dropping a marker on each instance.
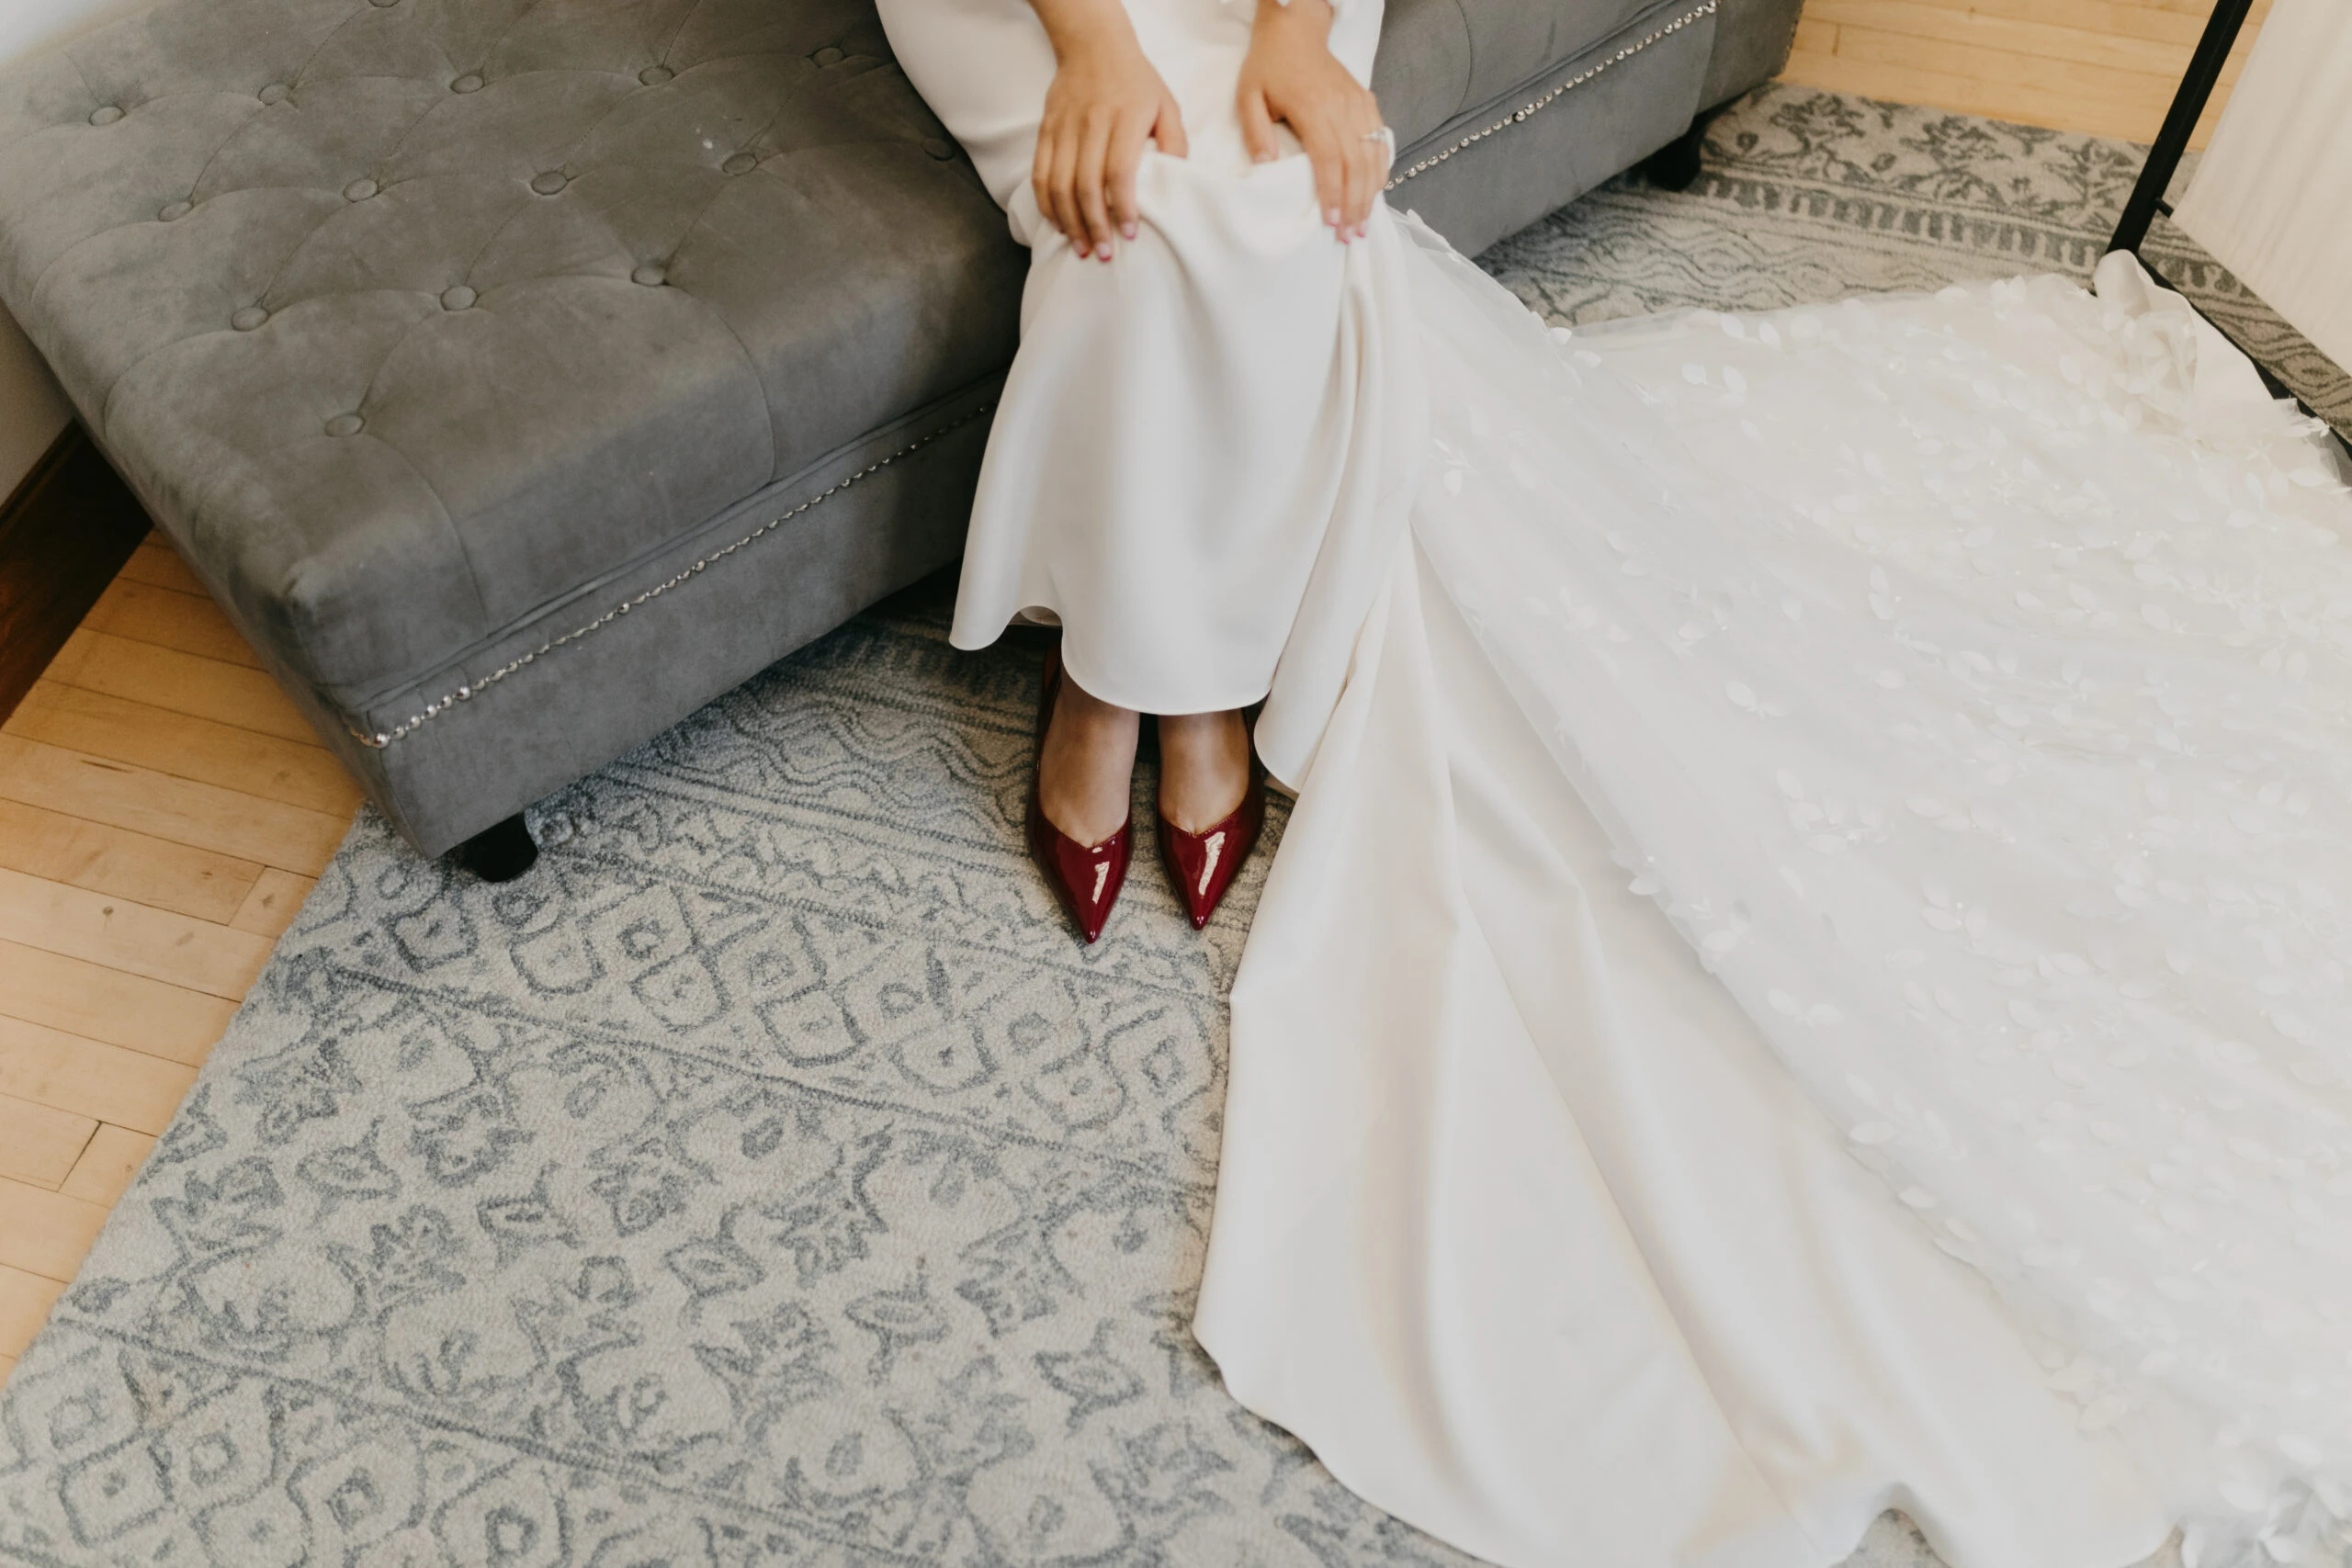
(1181, 424)
(1670, 1118)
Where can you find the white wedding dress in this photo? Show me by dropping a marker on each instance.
(1806, 972)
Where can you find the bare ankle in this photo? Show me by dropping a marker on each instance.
(1203, 768)
(1087, 764)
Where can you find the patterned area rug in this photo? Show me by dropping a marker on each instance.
(1809, 195)
(767, 1180)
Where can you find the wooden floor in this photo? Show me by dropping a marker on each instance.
(2107, 67)
(163, 809)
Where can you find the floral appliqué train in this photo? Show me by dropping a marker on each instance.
(1807, 972)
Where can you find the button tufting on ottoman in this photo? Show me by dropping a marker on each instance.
(439, 332)
(522, 374)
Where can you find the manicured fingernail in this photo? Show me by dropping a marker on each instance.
(1128, 230)
(1331, 216)
(1265, 157)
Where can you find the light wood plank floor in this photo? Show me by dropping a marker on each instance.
(2107, 67)
(163, 809)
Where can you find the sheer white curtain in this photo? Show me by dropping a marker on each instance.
(2273, 198)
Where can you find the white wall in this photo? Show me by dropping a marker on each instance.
(32, 410)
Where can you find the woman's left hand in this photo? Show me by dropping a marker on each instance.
(1290, 75)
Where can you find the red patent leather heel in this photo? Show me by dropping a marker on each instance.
(1086, 879)
(1203, 864)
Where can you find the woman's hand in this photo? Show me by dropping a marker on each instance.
(1290, 75)
(1105, 100)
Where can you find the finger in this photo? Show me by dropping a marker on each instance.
(1351, 152)
(1330, 172)
(1379, 150)
(1348, 151)
(1041, 176)
(1364, 160)
(1127, 153)
(1169, 129)
(1093, 155)
(1048, 145)
(1065, 178)
(1363, 180)
(1258, 127)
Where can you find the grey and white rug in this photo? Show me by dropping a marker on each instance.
(768, 1180)
(1809, 196)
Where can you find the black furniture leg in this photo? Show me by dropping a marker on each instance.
(499, 853)
(2147, 197)
(2196, 87)
(1675, 166)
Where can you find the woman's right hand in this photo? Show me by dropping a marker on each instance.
(1106, 99)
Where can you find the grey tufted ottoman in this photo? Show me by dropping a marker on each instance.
(521, 374)
(445, 335)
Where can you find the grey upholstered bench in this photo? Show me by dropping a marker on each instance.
(521, 374)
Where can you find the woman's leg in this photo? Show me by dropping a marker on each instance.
(1085, 769)
(1084, 772)
(1204, 767)
(1225, 320)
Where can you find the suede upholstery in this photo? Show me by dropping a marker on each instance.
(461, 345)
(1620, 95)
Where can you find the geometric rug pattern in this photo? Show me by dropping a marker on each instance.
(768, 1179)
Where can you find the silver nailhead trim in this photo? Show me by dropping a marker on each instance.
(1630, 50)
(384, 738)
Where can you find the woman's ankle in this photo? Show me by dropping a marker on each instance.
(1086, 768)
(1203, 768)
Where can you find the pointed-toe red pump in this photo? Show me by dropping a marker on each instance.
(1086, 879)
(1203, 864)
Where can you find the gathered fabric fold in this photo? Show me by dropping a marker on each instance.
(1806, 975)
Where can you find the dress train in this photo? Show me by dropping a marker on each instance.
(1632, 737)
(1804, 977)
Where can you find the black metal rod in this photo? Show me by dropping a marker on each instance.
(2180, 123)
